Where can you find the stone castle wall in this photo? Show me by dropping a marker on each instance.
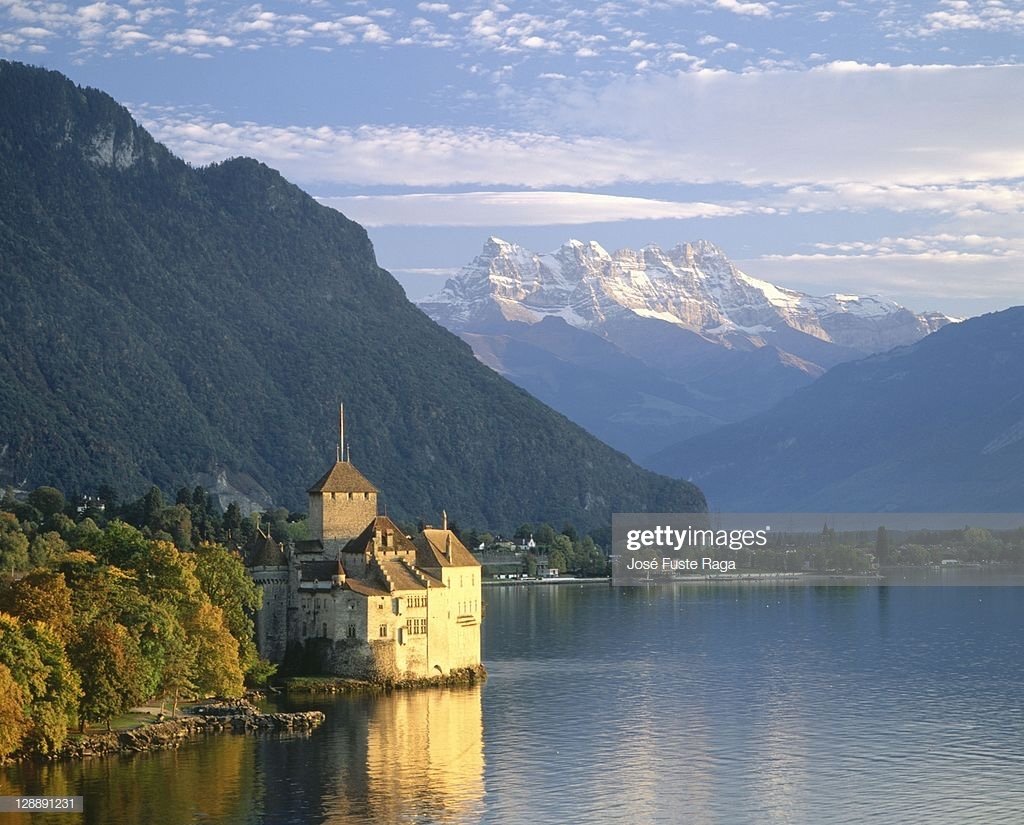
(335, 516)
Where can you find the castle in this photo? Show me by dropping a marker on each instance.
(361, 597)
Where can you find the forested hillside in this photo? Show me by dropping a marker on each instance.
(160, 322)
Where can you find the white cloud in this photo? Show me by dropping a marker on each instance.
(739, 7)
(543, 208)
(868, 137)
(925, 278)
(839, 123)
(963, 200)
(977, 15)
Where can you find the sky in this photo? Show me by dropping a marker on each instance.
(869, 147)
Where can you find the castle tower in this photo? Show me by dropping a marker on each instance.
(343, 501)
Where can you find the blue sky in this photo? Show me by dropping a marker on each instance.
(871, 147)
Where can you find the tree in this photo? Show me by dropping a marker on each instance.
(47, 500)
(882, 552)
(561, 553)
(41, 596)
(224, 580)
(544, 534)
(152, 508)
(46, 547)
(13, 544)
(119, 544)
(38, 664)
(177, 522)
(217, 669)
(232, 519)
(109, 662)
(84, 534)
(52, 711)
(13, 722)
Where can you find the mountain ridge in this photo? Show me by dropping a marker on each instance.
(715, 344)
(161, 323)
(936, 426)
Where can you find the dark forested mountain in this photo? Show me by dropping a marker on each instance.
(934, 427)
(160, 322)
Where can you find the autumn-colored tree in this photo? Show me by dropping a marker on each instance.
(41, 596)
(217, 669)
(55, 708)
(165, 574)
(226, 582)
(13, 722)
(37, 662)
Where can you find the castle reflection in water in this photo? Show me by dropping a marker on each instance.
(408, 756)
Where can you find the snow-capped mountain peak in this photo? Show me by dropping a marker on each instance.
(692, 285)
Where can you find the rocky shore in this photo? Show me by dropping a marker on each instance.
(233, 715)
(340, 684)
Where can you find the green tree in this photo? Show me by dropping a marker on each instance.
(544, 535)
(13, 544)
(45, 548)
(119, 544)
(52, 711)
(47, 500)
(232, 519)
(110, 665)
(882, 551)
(152, 508)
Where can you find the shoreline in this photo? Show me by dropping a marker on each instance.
(548, 581)
(331, 685)
(224, 716)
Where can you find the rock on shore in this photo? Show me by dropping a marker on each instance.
(237, 715)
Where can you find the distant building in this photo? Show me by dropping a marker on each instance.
(363, 598)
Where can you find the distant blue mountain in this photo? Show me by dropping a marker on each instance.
(935, 426)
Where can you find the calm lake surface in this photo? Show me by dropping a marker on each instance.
(677, 704)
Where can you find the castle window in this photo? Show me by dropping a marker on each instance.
(351, 605)
(416, 626)
(351, 631)
(383, 631)
(325, 630)
(303, 628)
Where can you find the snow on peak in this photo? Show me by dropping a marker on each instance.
(692, 285)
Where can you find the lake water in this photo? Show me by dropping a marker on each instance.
(688, 704)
